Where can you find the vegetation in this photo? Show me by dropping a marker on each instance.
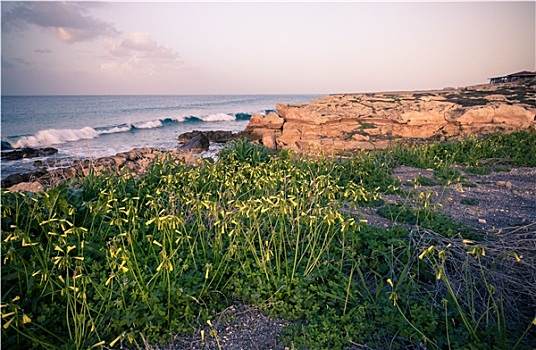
(125, 261)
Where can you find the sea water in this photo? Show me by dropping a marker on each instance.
(90, 127)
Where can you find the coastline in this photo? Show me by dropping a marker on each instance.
(335, 124)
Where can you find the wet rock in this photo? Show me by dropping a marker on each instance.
(28, 152)
(11, 180)
(6, 146)
(217, 136)
(197, 144)
(14, 179)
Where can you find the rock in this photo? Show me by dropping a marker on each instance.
(217, 136)
(27, 187)
(197, 144)
(265, 128)
(506, 184)
(11, 180)
(348, 122)
(6, 146)
(136, 161)
(70, 172)
(28, 153)
(14, 179)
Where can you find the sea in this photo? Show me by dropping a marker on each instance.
(90, 127)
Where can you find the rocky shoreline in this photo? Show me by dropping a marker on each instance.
(332, 125)
(136, 161)
(351, 122)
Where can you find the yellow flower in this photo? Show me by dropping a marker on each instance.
(8, 314)
(112, 343)
(26, 319)
(8, 323)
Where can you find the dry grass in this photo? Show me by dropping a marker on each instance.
(505, 266)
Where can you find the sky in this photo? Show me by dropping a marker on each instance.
(99, 48)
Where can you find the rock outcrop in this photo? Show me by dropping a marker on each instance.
(349, 122)
(28, 152)
(217, 136)
(136, 162)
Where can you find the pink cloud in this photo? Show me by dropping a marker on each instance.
(69, 21)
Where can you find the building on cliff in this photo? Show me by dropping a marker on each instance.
(513, 77)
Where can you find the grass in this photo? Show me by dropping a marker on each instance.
(123, 261)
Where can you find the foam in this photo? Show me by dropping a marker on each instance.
(55, 136)
(116, 129)
(149, 124)
(218, 117)
(58, 136)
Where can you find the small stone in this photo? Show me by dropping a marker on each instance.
(482, 221)
(27, 187)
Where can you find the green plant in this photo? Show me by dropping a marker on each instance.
(121, 260)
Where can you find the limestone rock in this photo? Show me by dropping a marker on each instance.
(34, 187)
(265, 129)
(347, 122)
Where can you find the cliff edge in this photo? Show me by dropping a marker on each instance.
(350, 122)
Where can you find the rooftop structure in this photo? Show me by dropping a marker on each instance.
(513, 77)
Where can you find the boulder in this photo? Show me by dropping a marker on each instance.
(14, 179)
(197, 144)
(6, 146)
(217, 136)
(265, 128)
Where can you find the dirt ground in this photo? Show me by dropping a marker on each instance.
(498, 201)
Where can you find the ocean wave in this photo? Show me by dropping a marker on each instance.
(55, 136)
(151, 124)
(58, 136)
(114, 129)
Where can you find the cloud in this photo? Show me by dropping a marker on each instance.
(141, 54)
(43, 51)
(138, 41)
(6, 64)
(14, 62)
(67, 20)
